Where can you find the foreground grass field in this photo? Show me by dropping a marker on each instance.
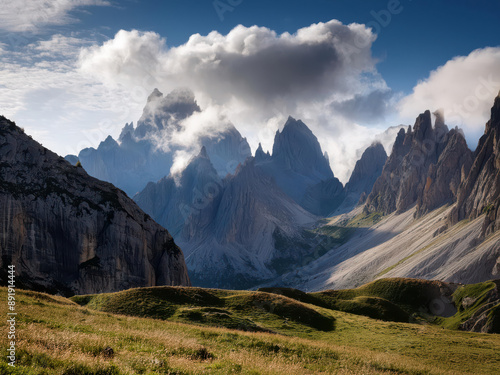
(267, 334)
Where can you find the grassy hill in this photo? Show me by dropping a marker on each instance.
(174, 330)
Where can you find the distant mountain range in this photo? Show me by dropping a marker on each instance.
(239, 219)
(430, 209)
(146, 153)
(262, 220)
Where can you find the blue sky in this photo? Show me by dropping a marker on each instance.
(63, 74)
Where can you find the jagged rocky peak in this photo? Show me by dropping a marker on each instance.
(367, 169)
(423, 127)
(86, 236)
(199, 166)
(439, 118)
(144, 154)
(479, 193)
(108, 143)
(260, 155)
(203, 153)
(424, 168)
(127, 131)
(400, 147)
(155, 95)
(298, 149)
(163, 112)
(226, 148)
(444, 177)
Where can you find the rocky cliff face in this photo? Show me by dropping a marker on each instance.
(424, 168)
(248, 233)
(296, 148)
(444, 177)
(367, 170)
(235, 232)
(301, 170)
(480, 191)
(173, 199)
(70, 233)
(146, 153)
(486, 319)
(324, 197)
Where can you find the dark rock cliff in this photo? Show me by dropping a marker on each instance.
(70, 233)
(480, 191)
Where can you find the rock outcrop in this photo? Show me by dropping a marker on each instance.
(301, 169)
(324, 197)
(486, 318)
(70, 233)
(418, 169)
(444, 177)
(367, 170)
(261, 156)
(296, 148)
(480, 191)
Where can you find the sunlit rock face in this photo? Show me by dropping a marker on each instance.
(480, 191)
(424, 169)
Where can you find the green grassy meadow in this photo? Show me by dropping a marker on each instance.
(176, 330)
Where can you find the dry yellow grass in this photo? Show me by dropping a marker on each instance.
(59, 337)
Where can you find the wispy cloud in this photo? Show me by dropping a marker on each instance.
(31, 15)
(43, 90)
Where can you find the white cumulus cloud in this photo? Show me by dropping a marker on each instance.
(132, 58)
(464, 87)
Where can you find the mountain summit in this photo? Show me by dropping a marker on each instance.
(164, 112)
(301, 169)
(424, 168)
(296, 148)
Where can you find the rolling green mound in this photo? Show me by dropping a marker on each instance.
(387, 299)
(247, 311)
(359, 304)
(466, 307)
(203, 331)
(158, 302)
(473, 307)
(398, 299)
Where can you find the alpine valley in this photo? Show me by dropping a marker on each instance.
(427, 208)
(408, 249)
